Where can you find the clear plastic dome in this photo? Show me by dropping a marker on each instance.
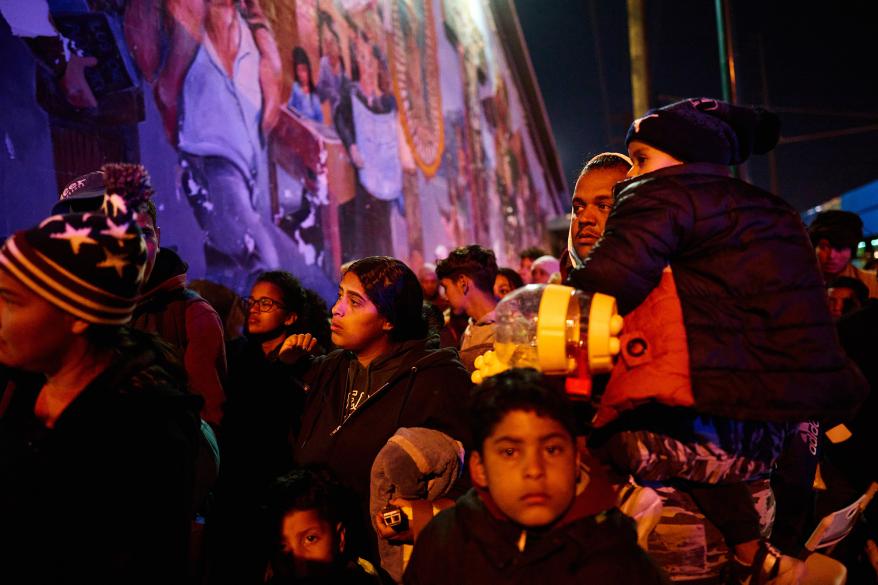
(547, 327)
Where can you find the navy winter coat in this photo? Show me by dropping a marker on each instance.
(762, 345)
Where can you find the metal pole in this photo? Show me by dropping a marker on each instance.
(727, 64)
(639, 62)
(726, 54)
(766, 101)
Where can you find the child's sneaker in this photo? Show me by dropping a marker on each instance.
(770, 567)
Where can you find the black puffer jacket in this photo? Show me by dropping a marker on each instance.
(762, 345)
(468, 544)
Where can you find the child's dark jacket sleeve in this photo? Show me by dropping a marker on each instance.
(644, 232)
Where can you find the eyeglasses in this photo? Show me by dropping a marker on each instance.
(263, 304)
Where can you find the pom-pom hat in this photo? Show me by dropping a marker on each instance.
(707, 130)
(90, 265)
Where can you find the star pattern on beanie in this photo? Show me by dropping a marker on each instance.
(114, 205)
(113, 261)
(90, 265)
(119, 232)
(76, 237)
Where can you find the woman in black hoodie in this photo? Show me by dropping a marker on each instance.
(385, 376)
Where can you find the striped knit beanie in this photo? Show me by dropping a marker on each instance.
(90, 265)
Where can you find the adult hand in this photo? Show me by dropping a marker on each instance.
(295, 346)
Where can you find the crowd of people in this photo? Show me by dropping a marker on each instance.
(152, 434)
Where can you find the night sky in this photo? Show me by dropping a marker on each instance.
(820, 66)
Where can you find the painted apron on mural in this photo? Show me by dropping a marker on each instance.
(378, 144)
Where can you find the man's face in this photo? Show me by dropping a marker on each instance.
(592, 203)
(454, 293)
(356, 323)
(151, 237)
(832, 260)
(33, 332)
(529, 465)
(524, 270)
(841, 297)
(310, 540)
(646, 159)
(540, 275)
(260, 321)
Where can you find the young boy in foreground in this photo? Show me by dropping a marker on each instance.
(523, 522)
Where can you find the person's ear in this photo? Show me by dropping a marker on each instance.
(158, 236)
(78, 326)
(387, 326)
(477, 470)
(292, 318)
(340, 531)
(463, 283)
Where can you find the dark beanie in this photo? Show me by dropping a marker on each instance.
(90, 265)
(707, 130)
(842, 229)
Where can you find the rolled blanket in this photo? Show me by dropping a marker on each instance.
(415, 464)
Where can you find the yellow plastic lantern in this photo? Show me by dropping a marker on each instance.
(555, 329)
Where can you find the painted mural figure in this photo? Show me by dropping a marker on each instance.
(303, 98)
(218, 90)
(331, 77)
(367, 123)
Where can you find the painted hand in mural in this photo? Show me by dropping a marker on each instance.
(75, 86)
(356, 157)
(182, 31)
(270, 72)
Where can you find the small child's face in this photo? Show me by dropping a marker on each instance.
(646, 159)
(309, 539)
(529, 465)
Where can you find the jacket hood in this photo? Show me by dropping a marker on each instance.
(168, 274)
(575, 260)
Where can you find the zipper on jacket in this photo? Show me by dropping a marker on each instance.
(368, 398)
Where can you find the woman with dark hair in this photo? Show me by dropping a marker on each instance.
(260, 420)
(508, 279)
(382, 378)
(304, 97)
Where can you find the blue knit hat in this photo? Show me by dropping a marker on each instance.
(707, 130)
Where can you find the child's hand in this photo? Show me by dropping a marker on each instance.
(389, 534)
(295, 346)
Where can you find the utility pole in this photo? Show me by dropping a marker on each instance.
(727, 64)
(640, 89)
(766, 101)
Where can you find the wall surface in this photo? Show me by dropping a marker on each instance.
(279, 133)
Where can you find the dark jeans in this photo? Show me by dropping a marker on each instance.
(365, 226)
(238, 240)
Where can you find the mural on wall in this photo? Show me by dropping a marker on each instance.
(289, 133)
